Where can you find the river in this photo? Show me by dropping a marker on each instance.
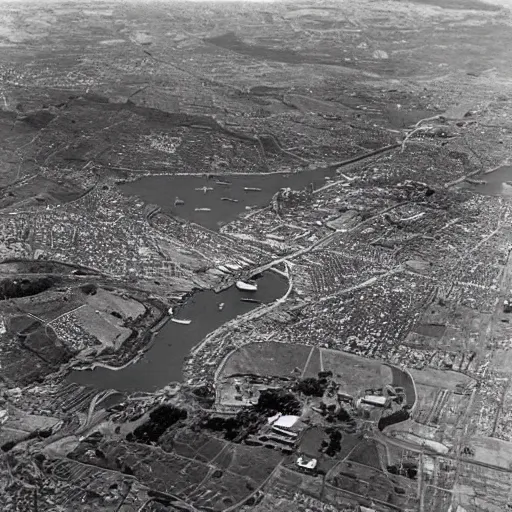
(497, 183)
(163, 362)
(211, 193)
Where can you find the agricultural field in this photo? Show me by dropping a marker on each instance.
(214, 473)
(193, 445)
(162, 471)
(383, 488)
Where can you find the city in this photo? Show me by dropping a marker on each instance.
(255, 256)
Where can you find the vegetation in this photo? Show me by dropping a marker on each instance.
(393, 418)
(14, 288)
(89, 289)
(159, 421)
(408, 469)
(272, 401)
(312, 386)
(334, 445)
(236, 428)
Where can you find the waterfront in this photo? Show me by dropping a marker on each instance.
(225, 198)
(163, 361)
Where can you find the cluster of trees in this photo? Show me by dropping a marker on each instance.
(408, 469)
(333, 446)
(344, 416)
(89, 288)
(272, 401)
(205, 394)
(396, 417)
(159, 421)
(236, 428)
(312, 386)
(14, 288)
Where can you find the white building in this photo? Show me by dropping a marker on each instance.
(306, 462)
(375, 400)
(286, 422)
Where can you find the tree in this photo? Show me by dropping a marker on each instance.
(334, 443)
(312, 386)
(159, 421)
(272, 401)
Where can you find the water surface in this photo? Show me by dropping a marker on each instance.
(496, 183)
(163, 362)
(203, 192)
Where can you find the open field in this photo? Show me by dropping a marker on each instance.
(108, 301)
(273, 359)
(193, 445)
(366, 454)
(355, 374)
(441, 379)
(492, 451)
(102, 325)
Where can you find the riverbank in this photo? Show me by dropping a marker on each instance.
(170, 342)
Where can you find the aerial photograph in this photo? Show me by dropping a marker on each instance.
(256, 255)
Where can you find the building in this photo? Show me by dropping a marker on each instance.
(306, 462)
(286, 433)
(286, 422)
(344, 397)
(286, 425)
(375, 400)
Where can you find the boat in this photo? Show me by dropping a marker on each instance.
(252, 301)
(180, 321)
(225, 183)
(252, 189)
(170, 311)
(246, 287)
(203, 209)
(231, 200)
(221, 306)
